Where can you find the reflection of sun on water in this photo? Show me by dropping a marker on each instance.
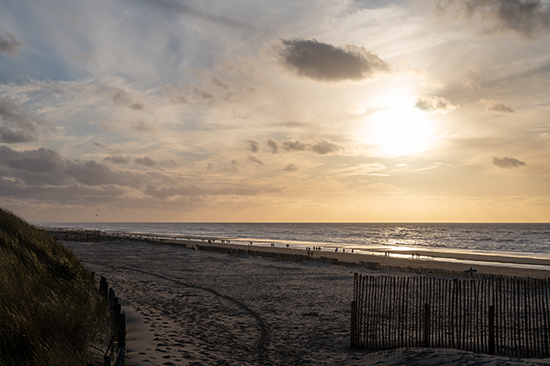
(396, 132)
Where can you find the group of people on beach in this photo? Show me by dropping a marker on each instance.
(310, 250)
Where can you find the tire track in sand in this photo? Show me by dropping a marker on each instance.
(263, 341)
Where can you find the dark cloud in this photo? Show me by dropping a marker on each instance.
(47, 167)
(255, 160)
(253, 145)
(219, 83)
(137, 105)
(145, 161)
(323, 146)
(294, 146)
(497, 107)
(290, 168)
(39, 161)
(319, 146)
(201, 94)
(9, 43)
(67, 195)
(120, 97)
(434, 104)
(17, 125)
(273, 145)
(508, 163)
(118, 159)
(325, 62)
(530, 18)
(92, 173)
(500, 108)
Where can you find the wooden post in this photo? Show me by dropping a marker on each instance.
(491, 329)
(116, 311)
(103, 286)
(427, 325)
(353, 340)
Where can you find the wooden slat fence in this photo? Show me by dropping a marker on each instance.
(499, 315)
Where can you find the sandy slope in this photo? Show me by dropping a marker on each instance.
(188, 307)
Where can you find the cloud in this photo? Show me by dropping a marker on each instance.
(320, 146)
(323, 146)
(290, 168)
(143, 126)
(494, 106)
(118, 159)
(145, 161)
(325, 62)
(120, 97)
(255, 160)
(42, 167)
(529, 18)
(196, 12)
(17, 125)
(294, 146)
(273, 145)
(508, 163)
(434, 105)
(9, 43)
(192, 190)
(253, 145)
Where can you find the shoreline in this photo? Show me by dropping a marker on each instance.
(421, 260)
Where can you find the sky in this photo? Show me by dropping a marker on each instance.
(275, 111)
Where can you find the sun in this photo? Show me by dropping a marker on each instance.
(399, 131)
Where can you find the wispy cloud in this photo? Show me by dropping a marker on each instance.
(17, 125)
(496, 107)
(529, 18)
(255, 160)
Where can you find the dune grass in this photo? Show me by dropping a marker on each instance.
(50, 310)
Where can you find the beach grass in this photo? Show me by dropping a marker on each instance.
(50, 310)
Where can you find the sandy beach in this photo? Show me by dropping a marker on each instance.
(194, 307)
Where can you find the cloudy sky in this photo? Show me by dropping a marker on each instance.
(241, 110)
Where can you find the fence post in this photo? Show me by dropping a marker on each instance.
(103, 286)
(491, 329)
(117, 312)
(353, 340)
(427, 325)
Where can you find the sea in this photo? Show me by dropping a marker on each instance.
(513, 239)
